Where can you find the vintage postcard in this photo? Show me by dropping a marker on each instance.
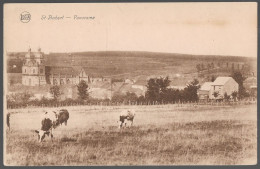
(106, 84)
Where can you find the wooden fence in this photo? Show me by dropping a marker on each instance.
(117, 104)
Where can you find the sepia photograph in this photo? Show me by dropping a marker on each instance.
(130, 84)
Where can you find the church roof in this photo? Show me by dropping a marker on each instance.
(34, 55)
(62, 71)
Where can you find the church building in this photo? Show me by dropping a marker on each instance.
(35, 72)
(33, 69)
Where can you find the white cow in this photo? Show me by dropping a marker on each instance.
(126, 116)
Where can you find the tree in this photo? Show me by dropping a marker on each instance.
(226, 96)
(208, 66)
(55, 91)
(234, 95)
(215, 94)
(141, 99)
(238, 77)
(219, 65)
(190, 91)
(233, 67)
(83, 90)
(212, 65)
(19, 98)
(202, 66)
(157, 89)
(117, 97)
(130, 97)
(213, 78)
(198, 67)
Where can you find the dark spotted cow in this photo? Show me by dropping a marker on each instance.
(8, 120)
(48, 123)
(62, 117)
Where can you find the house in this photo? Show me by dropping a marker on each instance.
(250, 83)
(129, 81)
(140, 84)
(221, 86)
(176, 87)
(100, 93)
(204, 91)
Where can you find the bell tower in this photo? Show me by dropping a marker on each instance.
(33, 70)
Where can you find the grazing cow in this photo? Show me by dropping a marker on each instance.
(125, 117)
(8, 120)
(49, 122)
(63, 117)
(46, 129)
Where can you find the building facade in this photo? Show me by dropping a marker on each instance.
(223, 85)
(35, 72)
(33, 69)
(204, 91)
(218, 88)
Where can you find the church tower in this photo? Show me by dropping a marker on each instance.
(33, 70)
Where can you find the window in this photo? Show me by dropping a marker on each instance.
(33, 70)
(24, 70)
(41, 70)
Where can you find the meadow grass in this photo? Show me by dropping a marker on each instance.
(228, 138)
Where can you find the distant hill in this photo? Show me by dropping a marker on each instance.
(130, 64)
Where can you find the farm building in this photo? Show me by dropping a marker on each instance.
(204, 91)
(223, 85)
(220, 86)
(250, 85)
(141, 85)
(250, 82)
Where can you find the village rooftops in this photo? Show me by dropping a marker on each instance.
(206, 86)
(220, 81)
(251, 80)
(141, 82)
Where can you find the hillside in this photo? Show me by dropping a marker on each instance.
(131, 64)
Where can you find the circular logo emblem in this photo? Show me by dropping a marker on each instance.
(25, 17)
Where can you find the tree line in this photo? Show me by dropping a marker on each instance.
(158, 90)
(209, 66)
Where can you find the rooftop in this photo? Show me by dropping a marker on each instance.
(62, 71)
(206, 86)
(221, 81)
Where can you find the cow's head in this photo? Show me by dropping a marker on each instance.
(41, 134)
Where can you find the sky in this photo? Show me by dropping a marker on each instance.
(221, 28)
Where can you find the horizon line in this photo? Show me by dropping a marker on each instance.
(220, 55)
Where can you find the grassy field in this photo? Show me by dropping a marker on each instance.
(161, 135)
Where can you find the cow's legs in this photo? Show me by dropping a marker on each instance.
(51, 135)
